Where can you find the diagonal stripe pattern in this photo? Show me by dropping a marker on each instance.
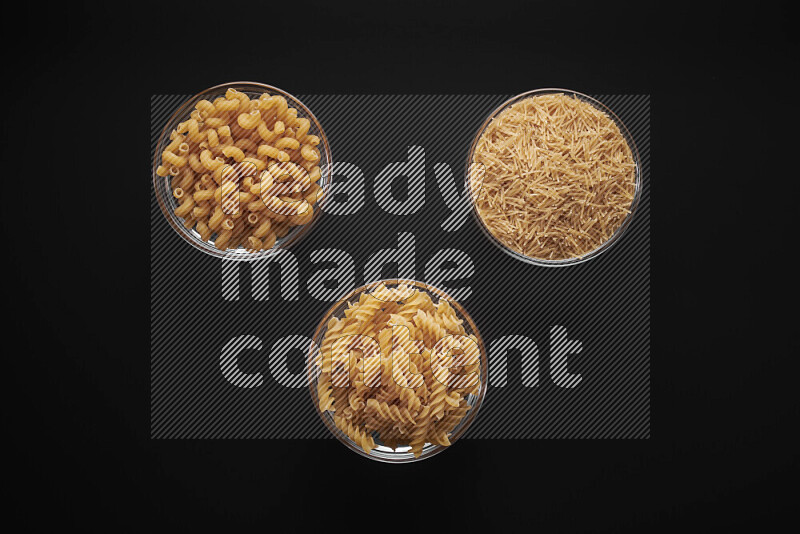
(228, 341)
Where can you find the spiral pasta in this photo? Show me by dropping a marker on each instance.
(399, 370)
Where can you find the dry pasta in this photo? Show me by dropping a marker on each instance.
(221, 168)
(554, 177)
(397, 367)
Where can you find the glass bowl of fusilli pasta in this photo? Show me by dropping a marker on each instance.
(241, 170)
(397, 370)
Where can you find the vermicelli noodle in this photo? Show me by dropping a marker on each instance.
(559, 177)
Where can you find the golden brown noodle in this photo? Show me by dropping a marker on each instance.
(559, 177)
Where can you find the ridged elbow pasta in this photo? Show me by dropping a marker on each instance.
(397, 370)
(193, 132)
(250, 120)
(205, 108)
(270, 135)
(287, 142)
(258, 163)
(272, 152)
(217, 163)
(309, 153)
(303, 125)
(173, 159)
(208, 160)
(226, 105)
(213, 138)
(213, 123)
(233, 152)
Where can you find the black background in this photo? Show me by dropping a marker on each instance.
(77, 178)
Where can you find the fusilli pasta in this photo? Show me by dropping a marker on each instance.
(397, 370)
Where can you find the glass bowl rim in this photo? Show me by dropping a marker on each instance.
(239, 254)
(606, 245)
(328, 419)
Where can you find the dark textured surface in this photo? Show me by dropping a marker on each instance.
(604, 303)
(722, 456)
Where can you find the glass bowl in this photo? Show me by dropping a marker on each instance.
(567, 261)
(168, 203)
(382, 452)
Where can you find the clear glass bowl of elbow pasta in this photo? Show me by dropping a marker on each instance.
(241, 169)
(397, 371)
(554, 177)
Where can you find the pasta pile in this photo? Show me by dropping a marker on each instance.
(399, 368)
(559, 177)
(244, 171)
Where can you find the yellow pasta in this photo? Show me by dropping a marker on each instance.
(215, 220)
(205, 107)
(226, 105)
(186, 179)
(213, 123)
(201, 211)
(287, 142)
(246, 145)
(270, 135)
(309, 153)
(253, 243)
(233, 152)
(250, 120)
(281, 106)
(217, 162)
(175, 141)
(263, 229)
(267, 151)
(303, 125)
(203, 195)
(233, 94)
(209, 162)
(193, 132)
(173, 159)
(213, 138)
(195, 164)
(204, 230)
(223, 238)
(185, 208)
(398, 370)
(259, 164)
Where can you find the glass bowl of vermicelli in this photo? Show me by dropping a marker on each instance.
(397, 371)
(554, 177)
(240, 170)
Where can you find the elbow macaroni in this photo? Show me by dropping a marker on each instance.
(217, 165)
